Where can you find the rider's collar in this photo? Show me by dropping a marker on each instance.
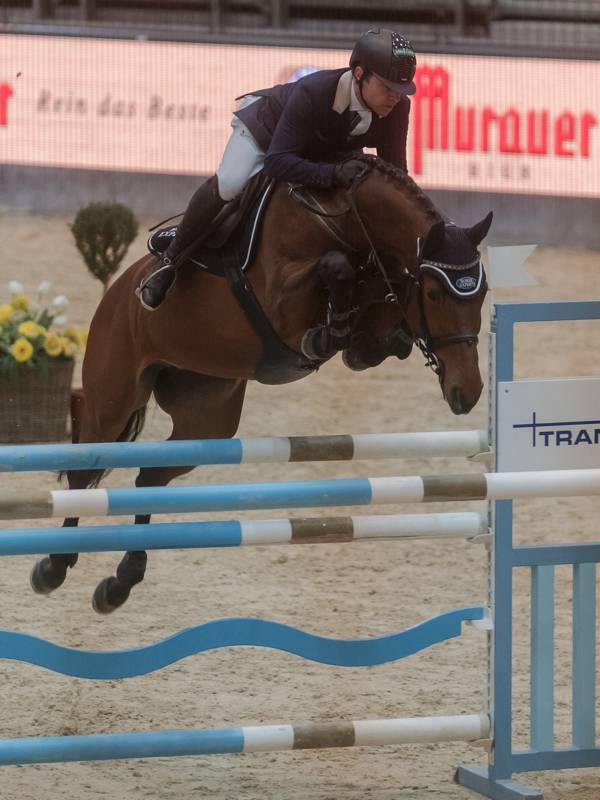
(363, 114)
(463, 280)
(342, 97)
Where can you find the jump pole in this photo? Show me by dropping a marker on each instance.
(268, 449)
(243, 533)
(298, 494)
(247, 739)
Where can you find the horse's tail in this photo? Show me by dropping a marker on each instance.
(133, 428)
(77, 400)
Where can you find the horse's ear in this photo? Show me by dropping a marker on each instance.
(478, 232)
(434, 239)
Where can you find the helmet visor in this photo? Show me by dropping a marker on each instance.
(405, 87)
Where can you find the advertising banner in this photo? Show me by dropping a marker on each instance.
(528, 126)
(548, 424)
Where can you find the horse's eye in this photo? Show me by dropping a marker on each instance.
(434, 295)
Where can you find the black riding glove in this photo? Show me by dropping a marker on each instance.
(345, 173)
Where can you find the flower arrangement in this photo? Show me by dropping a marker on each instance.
(35, 333)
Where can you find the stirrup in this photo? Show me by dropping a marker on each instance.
(166, 264)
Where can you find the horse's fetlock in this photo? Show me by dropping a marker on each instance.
(63, 560)
(132, 568)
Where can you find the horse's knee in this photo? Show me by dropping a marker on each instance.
(335, 270)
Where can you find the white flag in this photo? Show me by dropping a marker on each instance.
(505, 266)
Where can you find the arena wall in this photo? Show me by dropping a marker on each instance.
(142, 122)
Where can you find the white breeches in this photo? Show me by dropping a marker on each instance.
(242, 158)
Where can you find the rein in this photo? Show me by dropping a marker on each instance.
(391, 296)
(426, 343)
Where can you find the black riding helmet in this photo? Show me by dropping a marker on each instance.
(389, 55)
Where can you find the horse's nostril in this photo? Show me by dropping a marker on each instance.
(458, 402)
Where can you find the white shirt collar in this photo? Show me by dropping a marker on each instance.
(346, 98)
(366, 115)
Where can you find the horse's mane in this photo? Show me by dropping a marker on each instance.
(407, 185)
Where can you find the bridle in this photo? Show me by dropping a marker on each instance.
(374, 268)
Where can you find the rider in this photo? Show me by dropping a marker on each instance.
(296, 132)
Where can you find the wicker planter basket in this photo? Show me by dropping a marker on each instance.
(34, 403)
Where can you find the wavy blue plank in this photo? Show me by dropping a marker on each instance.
(232, 633)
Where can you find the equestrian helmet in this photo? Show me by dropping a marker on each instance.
(390, 56)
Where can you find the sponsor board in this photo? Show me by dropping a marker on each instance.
(520, 125)
(548, 424)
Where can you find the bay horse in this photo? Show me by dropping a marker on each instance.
(334, 256)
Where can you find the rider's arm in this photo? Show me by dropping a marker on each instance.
(393, 135)
(293, 135)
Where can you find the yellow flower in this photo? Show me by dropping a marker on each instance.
(21, 350)
(69, 348)
(31, 329)
(20, 301)
(5, 313)
(53, 344)
(73, 334)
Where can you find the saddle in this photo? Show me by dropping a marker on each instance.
(232, 237)
(227, 250)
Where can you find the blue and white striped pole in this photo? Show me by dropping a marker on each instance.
(297, 494)
(249, 739)
(274, 449)
(240, 533)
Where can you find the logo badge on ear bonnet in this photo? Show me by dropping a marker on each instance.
(463, 280)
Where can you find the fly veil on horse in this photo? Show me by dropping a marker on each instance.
(370, 270)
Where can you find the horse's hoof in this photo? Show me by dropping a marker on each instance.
(45, 578)
(351, 361)
(109, 595)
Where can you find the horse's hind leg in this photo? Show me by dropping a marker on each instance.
(50, 572)
(200, 407)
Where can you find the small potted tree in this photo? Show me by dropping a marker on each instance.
(103, 233)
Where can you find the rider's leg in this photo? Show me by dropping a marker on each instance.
(202, 209)
(241, 160)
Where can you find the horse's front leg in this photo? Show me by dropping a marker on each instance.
(337, 276)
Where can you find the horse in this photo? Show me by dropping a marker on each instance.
(368, 271)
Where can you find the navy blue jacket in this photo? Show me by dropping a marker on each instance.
(304, 128)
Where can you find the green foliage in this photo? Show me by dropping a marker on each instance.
(103, 233)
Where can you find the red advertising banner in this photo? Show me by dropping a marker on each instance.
(528, 126)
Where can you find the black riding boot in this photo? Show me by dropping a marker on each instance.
(201, 211)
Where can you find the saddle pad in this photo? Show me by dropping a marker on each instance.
(239, 247)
